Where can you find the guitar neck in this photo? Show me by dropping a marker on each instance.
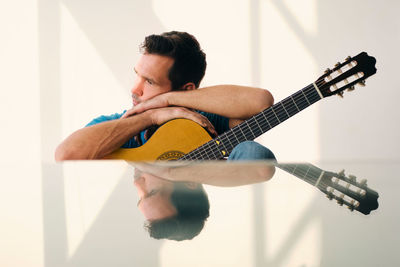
(306, 172)
(259, 124)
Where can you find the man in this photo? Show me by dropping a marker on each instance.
(169, 70)
(169, 73)
(173, 210)
(172, 197)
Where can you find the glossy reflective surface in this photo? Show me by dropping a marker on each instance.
(89, 214)
(91, 217)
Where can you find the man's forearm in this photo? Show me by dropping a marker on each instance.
(95, 142)
(231, 101)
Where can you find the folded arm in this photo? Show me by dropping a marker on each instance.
(234, 102)
(97, 141)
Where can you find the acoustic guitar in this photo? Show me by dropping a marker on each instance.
(183, 139)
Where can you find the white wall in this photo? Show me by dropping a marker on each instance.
(65, 62)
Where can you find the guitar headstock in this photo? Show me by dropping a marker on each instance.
(347, 191)
(345, 75)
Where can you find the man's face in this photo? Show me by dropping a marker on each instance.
(152, 77)
(154, 196)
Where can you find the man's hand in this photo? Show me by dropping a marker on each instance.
(162, 115)
(159, 101)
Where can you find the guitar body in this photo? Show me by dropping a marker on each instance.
(171, 141)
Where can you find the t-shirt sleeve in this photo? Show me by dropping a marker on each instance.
(220, 123)
(104, 118)
(131, 143)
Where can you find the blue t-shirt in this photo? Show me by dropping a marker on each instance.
(220, 123)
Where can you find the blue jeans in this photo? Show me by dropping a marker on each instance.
(250, 150)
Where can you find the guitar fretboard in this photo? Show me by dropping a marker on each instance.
(257, 125)
(307, 172)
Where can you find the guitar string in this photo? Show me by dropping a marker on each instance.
(195, 154)
(306, 172)
(278, 111)
(310, 174)
(291, 110)
(222, 137)
(313, 173)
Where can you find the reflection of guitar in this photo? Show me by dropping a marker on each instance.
(184, 139)
(345, 190)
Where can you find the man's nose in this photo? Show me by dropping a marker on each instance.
(137, 88)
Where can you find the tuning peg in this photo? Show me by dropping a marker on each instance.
(353, 178)
(337, 64)
(330, 194)
(351, 88)
(340, 200)
(351, 206)
(328, 70)
(361, 83)
(363, 182)
(348, 58)
(340, 94)
(341, 173)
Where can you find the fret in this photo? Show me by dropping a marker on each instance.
(271, 118)
(198, 155)
(305, 175)
(240, 128)
(237, 140)
(275, 116)
(305, 97)
(300, 100)
(218, 144)
(232, 133)
(260, 130)
(283, 106)
(265, 118)
(312, 94)
(280, 111)
(211, 147)
(254, 136)
(225, 137)
(202, 152)
(291, 97)
(290, 107)
(306, 172)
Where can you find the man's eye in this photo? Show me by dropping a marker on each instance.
(149, 81)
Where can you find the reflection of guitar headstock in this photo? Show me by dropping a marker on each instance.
(347, 191)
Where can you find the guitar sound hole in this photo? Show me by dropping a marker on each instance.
(171, 155)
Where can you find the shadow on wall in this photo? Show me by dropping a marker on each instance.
(116, 238)
(115, 30)
(344, 29)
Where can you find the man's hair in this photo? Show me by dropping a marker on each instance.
(189, 59)
(192, 207)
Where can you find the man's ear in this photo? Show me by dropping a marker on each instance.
(189, 86)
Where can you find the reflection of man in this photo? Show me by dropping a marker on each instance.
(169, 70)
(172, 197)
(173, 210)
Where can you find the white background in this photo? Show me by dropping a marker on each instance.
(64, 62)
